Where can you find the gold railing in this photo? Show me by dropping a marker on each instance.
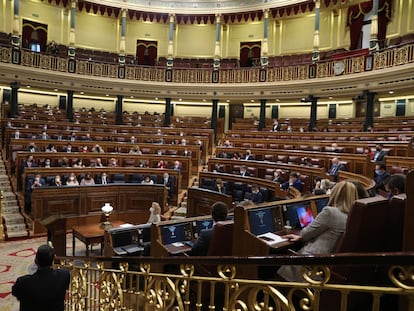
(383, 59)
(132, 285)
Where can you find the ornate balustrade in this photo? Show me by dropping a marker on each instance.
(383, 59)
(212, 282)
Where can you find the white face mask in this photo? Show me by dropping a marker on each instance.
(72, 178)
(151, 209)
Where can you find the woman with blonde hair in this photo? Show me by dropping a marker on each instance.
(323, 234)
(155, 213)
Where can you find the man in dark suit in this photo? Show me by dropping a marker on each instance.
(381, 175)
(335, 168)
(244, 171)
(294, 181)
(218, 213)
(256, 196)
(46, 288)
(275, 126)
(379, 153)
(168, 182)
(249, 155)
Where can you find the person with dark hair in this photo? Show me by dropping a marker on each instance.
(46, 288)
(256, 196)
(395, 185)
(380, 176)
(219, 212)
(379, 153)
(294, 181)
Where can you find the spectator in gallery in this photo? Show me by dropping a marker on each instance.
(87, 180)
(47, 163)
(79, 163)
(142, 163)
(44, 136)
(87, 137)
(64, 162)
(112, 162)
(68, 148)
(294, 181)
(84, 149)
(103, 179)
(235, 156)
(46, 288)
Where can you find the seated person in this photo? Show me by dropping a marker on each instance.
(87, 180)
(161, 164)
(244, 171)
(322, 235)
(294, 181)
(335, 168)
(147, 180)
(256, 196)
(395, 185)
(72, 180)
(380, 176)
(218, 213)
(322, 186)
(219, 187)
(57, 181)
(278, 176)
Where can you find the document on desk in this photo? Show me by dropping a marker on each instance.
(271, 239)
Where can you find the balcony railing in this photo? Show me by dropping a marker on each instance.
(210, 283)
(383, 59)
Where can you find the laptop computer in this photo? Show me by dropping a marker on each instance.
(305, 216)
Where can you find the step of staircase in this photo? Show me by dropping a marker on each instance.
(10, 208)
(16, 230)
(13, 219)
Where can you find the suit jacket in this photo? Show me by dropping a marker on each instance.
(379, 156)
(320, 237)
(44, 290)
(257, 197)
(200, 247)
(297, 184)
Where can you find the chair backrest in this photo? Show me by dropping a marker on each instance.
(366, 227)
(395, 223)
(221, 243)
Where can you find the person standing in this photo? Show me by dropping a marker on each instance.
(45, 289)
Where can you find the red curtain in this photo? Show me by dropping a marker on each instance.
(147, 52)
(250, 54)
(356, 15)
(34, 33)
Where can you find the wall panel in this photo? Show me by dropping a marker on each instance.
(146, 31)
(195, 41)
(252, 31)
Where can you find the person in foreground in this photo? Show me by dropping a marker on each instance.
(322, 235)
(219, 212)
(44, 290)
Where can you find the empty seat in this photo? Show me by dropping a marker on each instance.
(208, 183)
(118, 178)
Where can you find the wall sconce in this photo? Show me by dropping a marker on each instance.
(107, 210)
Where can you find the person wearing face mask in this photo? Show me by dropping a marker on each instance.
(87, 180)
(379, 153)
(155, 213)
(57, 182)
(32, 183)
(46, 163)
(395, 185)
(72, 180)
(380, 176)
(294, 181)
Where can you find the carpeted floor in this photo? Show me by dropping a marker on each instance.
(16, 258)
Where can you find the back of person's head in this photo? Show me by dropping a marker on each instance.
(219, 211)
(44, 256)
(362, 193)
(343, 196)
(396, 184)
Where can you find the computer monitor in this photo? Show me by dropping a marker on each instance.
(122, 236)
(305, 215)
(145, 232)
(321, 203)
(176, 233)
(291, 215)
(202, 224)
(261, 221)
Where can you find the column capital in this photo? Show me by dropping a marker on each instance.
(171, 17)
(266, 12)
(317, 4)
(73, 3)
(218, 18)
(124, 12)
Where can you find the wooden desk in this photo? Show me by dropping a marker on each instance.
(90, 234)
